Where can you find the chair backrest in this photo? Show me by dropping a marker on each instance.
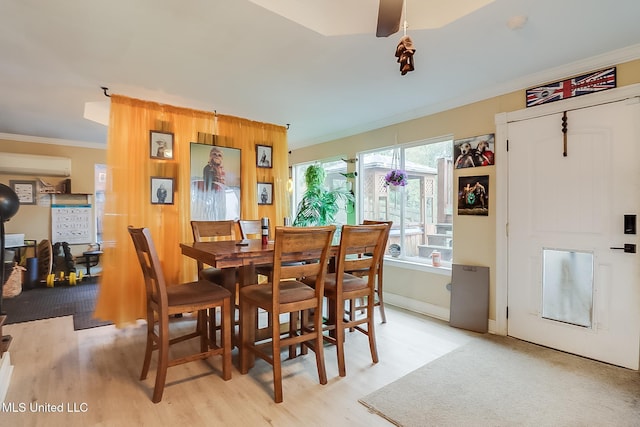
(154, 281)
(250, 228)
(213, 230)
(310, 244)
(361, 249)
(386, 237)
(204, 231)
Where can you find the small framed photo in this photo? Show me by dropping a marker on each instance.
(264, 156)
(265, 193)
(161, 190)
(26, 191)
(161, 145)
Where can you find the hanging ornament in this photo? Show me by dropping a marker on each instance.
(404, 53)
(405, 49)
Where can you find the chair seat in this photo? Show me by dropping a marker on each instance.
(194, 294)
(290, 291)
(350, 283)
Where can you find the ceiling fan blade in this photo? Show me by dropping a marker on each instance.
(389, 14)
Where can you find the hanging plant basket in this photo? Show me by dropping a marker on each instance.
(396, 178)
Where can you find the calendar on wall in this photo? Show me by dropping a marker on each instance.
(71, 224)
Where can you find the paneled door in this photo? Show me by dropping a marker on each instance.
(571, 285)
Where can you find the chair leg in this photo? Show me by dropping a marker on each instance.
(226, 324)
(202, 328)
(247, 336)
(277, 363)
(294, 317)
(352, 313)
(213, 322)
(163, 359)
(149, 347)
(342, 371)
(380, 303)
(371, 332)
(319, 348)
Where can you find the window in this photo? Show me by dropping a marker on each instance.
(334, 179)
(100, 182)
(422, 210)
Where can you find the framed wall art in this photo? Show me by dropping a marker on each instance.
(161, 190)
(264, 156)
(160, 145)
(265, 193)
(474, 152)
(26, 191)
(473, 195)
(215, 182)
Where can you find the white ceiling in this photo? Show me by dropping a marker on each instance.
(238, 58)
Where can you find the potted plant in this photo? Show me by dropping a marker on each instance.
(319, 204)
(396, 178)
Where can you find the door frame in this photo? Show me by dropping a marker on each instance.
(502, 121)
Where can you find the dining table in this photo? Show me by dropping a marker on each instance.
(243, 255)
(238, 260)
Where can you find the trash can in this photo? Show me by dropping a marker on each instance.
(31, 275)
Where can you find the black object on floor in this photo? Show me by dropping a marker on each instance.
(44, 303)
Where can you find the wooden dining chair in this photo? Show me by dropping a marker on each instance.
(162, 302)
(379, 302)
(341, 287)
(285, 294)
(207, 231)
(252, 229)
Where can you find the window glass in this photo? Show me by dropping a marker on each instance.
(422, 208)
(100, 178)
(335, 179)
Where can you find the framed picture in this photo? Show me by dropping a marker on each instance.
(160, 145)
(473, 195)
(265, 193)
(474, 152)
(161, 190)
(26, 191)
(215, 182)
(264, 157)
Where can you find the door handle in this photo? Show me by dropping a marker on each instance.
(629, 248)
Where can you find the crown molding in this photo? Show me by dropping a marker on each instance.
(51, 141)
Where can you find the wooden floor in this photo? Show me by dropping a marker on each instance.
(93, 375)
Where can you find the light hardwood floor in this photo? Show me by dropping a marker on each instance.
(95, 373)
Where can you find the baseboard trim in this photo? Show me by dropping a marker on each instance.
(424, 308)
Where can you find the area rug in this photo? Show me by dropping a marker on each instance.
(502, 381)
(43, 303)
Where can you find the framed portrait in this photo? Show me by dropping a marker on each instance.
(264, 156)
(473, 195)
(160, 145)
(265, 193)
(215, 182)
(26, 191)
(161, 190)
(474, 152)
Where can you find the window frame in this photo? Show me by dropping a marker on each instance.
(298, 181)
(404, 261)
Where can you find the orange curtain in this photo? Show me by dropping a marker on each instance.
(128, 196)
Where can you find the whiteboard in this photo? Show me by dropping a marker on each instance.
(71, 224)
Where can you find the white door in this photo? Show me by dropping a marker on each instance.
(567, 287)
